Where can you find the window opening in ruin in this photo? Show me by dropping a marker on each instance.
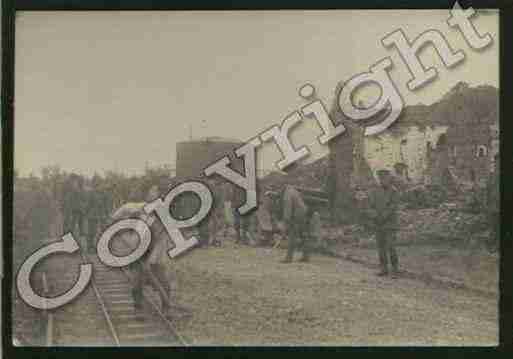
(482, 151)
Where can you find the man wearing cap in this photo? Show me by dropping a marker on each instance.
(295, 217)
(150, 267)
(152, 264)
(383, 214)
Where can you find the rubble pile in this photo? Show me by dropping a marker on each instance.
(310, 175)
(446, 222)
(441, 223)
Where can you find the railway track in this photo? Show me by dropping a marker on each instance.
(111, 303)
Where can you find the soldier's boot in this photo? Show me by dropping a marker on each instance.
(382, 252)
(290, 252)
(394, 273)
(306, 255)
(394, 262)
(384, 266)
(305, 259)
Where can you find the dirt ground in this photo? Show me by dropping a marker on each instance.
(455, 261)
(241, 295)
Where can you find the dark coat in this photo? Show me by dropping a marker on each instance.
(383, 204)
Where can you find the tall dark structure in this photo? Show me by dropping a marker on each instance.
(192, 157)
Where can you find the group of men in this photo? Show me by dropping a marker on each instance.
(224, 217)
(84, 207)
(301, 221)
(300, 224)
(380, 215)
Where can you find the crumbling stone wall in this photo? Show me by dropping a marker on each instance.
(408, 147)
(472, 137)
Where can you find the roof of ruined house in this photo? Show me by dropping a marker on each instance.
(481, 101)
(460, 104)
(465, 104)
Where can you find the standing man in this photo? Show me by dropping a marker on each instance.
(493, 206)
(94, 212)
(264, 219)
(157, 254)
(151, 264)
(295, 217)
(233, 200)
(401, 179)
(150, 267)
(383, 214)
(73, 204)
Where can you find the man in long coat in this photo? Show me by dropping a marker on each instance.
(295, 215)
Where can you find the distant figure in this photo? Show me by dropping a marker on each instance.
(295, 217)
(228, 216)
(244, 236)
(401, 179)
(265, 222)
(493, 206)
(94, 212)
(73, 205)
(216, 222)
(233, 197)
(216, 215)
(315, 229)
(383, 214)
(209, 227)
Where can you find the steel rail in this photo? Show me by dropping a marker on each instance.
(104, 310)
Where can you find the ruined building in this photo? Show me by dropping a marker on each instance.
(407, 142)
(459, 133)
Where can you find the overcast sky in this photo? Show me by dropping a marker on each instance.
(116, 90)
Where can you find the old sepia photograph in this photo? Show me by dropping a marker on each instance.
(256, 178)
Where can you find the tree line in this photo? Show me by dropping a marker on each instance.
(41, 202)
